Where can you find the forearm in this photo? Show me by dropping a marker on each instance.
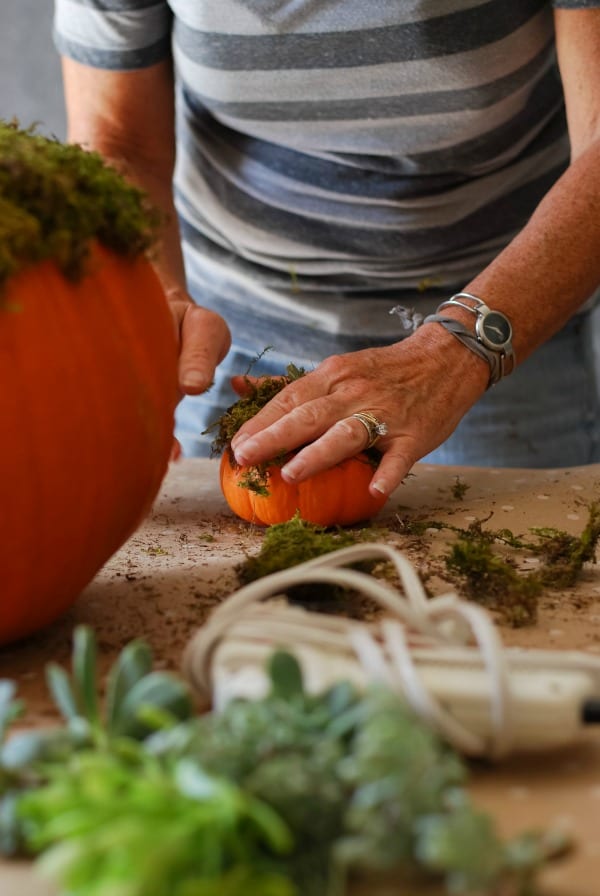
(167, 256)
(129, 119)
(553, 265)
(549, 270)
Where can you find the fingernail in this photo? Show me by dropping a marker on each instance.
(238, 439)
(379, 487)
(244, 456)
(194, 379)
(292, 470)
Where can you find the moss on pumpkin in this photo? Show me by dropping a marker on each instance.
(55, 198)
(258, 395)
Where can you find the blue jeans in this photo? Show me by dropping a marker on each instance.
(546, 414)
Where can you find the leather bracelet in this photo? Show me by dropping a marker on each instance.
(469, 339)
(491, 339)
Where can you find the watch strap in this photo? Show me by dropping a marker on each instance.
(468, 338)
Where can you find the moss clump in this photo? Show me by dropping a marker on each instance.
(258, 395)
(290, 543)
(287, 544)
(493, 581)
(55, 198)
(564, 555)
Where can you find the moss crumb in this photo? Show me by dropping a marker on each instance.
(459, 489)
(55, 198)
(495, 581)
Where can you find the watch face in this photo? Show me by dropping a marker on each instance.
(494, 330)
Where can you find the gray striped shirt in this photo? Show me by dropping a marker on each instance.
(334, 154)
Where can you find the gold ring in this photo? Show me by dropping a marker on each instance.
(375, 428)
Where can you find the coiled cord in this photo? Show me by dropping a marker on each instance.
(414, 633)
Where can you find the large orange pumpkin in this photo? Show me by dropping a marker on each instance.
(87, 396)
(335, 497)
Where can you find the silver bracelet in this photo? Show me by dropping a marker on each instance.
(491, 339)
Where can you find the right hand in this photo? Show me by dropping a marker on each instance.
(420, 388)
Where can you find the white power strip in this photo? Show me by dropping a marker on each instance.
(443, 655)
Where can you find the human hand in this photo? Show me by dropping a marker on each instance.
(420, 388)
(203, 338)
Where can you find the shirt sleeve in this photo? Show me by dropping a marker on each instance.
(119, 35)
(576, 4)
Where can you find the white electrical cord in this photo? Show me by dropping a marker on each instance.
(443, 654)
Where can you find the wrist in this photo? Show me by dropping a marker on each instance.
(489, 336)
(176, 294)
(461, 366)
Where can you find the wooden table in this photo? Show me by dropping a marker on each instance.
(162, 584)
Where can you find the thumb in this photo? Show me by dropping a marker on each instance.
(205, 340)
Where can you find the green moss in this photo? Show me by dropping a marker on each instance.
(493, 580)
(258, 395)
(564, 555)
(459, 489)
(287, 544)
(55, 198)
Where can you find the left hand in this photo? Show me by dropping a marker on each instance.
(420, 388)
(203, 338)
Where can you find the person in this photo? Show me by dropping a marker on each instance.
(342, 172)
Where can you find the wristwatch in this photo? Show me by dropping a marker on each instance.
(491, 339)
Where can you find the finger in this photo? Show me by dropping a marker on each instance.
(291, 398)
(244, 384)
(394, 467)
(205, 340)
(176, 451)
(301, 412)
(346, 438)
(256, 441)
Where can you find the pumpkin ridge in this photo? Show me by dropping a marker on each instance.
(81, 466)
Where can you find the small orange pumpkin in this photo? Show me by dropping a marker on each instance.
(335, 497)
(88, 373)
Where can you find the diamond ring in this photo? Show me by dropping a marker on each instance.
(375, 428)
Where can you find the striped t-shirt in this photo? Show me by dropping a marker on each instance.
(339, 156)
